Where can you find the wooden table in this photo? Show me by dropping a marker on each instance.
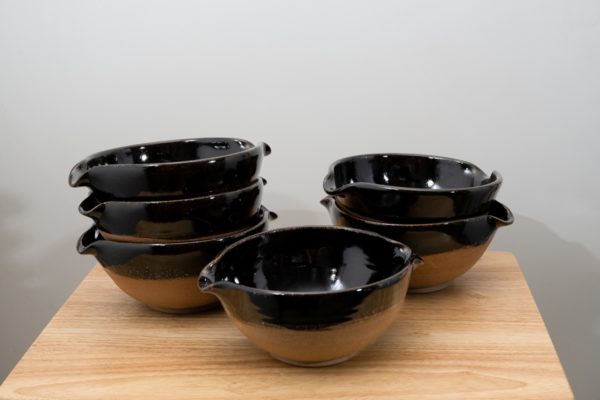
(482, 338)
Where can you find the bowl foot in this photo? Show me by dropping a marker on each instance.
(314, 364)
(430, 289)
(185, 310)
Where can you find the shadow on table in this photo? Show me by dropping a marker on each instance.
(34, 283)
(564, 278)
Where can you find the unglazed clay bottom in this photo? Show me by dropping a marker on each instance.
(440, 269)
(318, 348)
(179, 295)
(313, 364)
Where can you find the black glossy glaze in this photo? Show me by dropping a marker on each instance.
(163, 261)
(429, 238)
(411, 187)
(309, 278)
(179, 219)
(172, 169)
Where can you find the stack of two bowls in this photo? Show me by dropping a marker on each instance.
(444, 209)
(164, 210)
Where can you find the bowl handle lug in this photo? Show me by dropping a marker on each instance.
(416, 261)
(327, 202)
(91, 207)
(87, 241)
(79, 176)
(266, 149)
(500, 215)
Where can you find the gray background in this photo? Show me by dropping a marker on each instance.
(508, 85)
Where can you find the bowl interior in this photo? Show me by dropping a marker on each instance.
(168, 152)
(311, 260)
(409, 171)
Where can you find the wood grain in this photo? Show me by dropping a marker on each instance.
(482, 338)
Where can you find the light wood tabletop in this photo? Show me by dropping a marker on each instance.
(481, 338)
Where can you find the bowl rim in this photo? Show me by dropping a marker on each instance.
(163, 142)
(96, 197)
(374, 222)
(331, 188)
(411, 259)
(264, 219)
(80, 169)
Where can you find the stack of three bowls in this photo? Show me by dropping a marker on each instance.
(163, 210)
(443, 208)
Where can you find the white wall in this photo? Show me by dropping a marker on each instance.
(508, 85)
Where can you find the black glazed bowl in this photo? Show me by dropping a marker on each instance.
(449, 248)
(311, 296)
(164, 276)
(174, 220)
(172, 169)
(411, 187)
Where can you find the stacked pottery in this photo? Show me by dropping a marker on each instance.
(164, 210)
(444, 209)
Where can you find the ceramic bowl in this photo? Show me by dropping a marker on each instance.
(172, 169)
(410, 187)
(449, 249)
(163, 276)
(174, 220)
(311, 296)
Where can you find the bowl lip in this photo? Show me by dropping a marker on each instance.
(388, 281)
(264, 214)
(374, 222)
(80, 165)
(331, 188)
(257, 183)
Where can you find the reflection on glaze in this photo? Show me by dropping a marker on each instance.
(168, 152)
